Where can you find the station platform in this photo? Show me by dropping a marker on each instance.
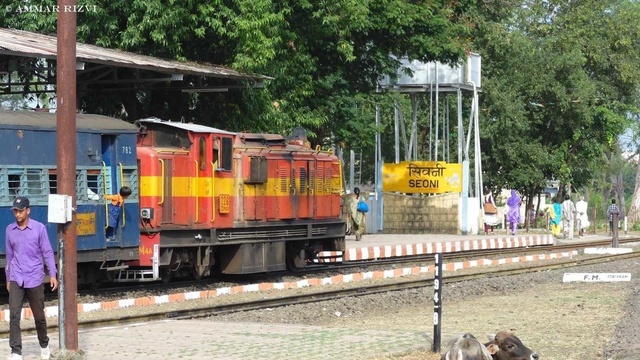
(380, 246)
(207, 339)
(377, 246)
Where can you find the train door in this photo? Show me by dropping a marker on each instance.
(274, 189)
(323, 189)
(279, 204)
(108, 162)
(287, 180)
(320, 210)
(328, 188)
(312, 203)
(182, 192)
(255, 189)
(113, 235)
(201, 191)
(126, 166)
(302, 190)
(294, 189)
(225, 190)
(167, 188)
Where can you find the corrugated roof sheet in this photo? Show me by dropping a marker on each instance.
(30, 44)
(46, 120)
(185, 126)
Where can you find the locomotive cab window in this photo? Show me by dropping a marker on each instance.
(171, 137)
(216, 154)
(202, 154)
(227, 153)
(223, 153)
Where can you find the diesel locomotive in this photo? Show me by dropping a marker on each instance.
(203, 201)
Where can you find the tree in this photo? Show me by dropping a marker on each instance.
(561, 78)
(325, 56)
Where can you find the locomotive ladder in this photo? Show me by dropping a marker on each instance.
(142, 275)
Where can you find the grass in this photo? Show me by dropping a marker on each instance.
(561, 321)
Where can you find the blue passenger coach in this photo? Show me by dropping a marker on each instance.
(105, 161)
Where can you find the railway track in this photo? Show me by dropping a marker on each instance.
(471, 254)
(363, 265)
(210, 310)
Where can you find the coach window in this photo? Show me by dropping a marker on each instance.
(14, 183)
(202, 158)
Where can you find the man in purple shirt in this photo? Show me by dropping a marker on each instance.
(28, 249)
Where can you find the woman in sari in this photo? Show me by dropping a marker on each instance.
(555, 217)
(491, 217)
(513, 215)
(356, 218)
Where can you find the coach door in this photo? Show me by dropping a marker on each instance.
(109, 164)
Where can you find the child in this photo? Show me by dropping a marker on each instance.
(117, 202)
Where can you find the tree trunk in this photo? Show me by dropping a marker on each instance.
(561, 192)
(634, 210)
(617, 185)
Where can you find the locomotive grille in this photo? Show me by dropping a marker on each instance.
(303, 180)
(319, 182)
(270, 234)
(283, 180)
(327, 181)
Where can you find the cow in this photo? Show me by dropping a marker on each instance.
(466, 347)
(506, 346)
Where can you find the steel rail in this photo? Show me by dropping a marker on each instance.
(360, 264)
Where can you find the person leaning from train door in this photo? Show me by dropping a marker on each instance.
(28, 250)
(356, 218)
(115, 208)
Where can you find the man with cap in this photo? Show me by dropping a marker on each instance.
(28, 250)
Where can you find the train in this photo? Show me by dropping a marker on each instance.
(204, 201)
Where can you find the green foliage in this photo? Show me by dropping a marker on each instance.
(325, 56)
(561, 79)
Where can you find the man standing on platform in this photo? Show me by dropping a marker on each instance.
(583, 218)
(568, 214)
(28, 250)
(613, 208)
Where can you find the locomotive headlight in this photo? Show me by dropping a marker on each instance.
(146, 213)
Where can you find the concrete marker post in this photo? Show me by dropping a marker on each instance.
(614, 229)
(437, 303)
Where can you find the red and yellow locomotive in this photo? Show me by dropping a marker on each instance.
(236, 203)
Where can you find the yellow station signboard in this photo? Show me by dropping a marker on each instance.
(432, 177)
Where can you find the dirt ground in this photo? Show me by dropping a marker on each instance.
(561, 321)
